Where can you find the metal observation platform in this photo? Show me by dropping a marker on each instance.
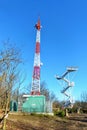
(68, 85)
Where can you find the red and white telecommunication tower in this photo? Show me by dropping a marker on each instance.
(35, 89)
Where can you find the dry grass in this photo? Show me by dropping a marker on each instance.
(33, 122)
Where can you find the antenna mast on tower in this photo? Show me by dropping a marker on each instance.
(35, 89)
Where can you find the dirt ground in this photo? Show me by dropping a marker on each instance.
(33, 122)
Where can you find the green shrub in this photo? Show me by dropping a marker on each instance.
(60, 113)
(33, 114)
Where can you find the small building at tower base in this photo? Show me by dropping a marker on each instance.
(34, 104)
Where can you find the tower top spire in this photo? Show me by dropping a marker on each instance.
(38, 25)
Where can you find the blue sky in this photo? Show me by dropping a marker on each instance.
(63, 37)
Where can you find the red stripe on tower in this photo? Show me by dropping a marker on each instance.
(36, 73)
(38, 27)
(37, 47)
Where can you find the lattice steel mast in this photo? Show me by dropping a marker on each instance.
(35, 89)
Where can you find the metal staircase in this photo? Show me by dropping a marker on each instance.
(69, 84)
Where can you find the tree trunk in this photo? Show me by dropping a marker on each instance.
(6, 112)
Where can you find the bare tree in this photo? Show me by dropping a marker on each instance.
(46, 92)
(84, 102)
(84, 96)
(9, 63)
